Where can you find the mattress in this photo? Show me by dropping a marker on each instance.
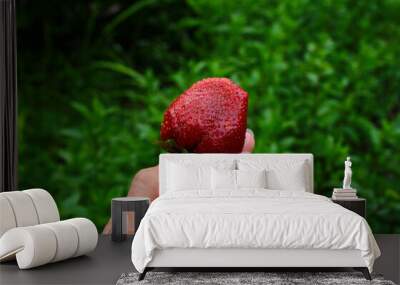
(250, 219)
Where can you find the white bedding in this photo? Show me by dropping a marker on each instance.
(250, 218)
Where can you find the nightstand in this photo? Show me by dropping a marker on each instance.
(126, 214)
(357, 205)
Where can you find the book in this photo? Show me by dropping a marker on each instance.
(345, 194)
(340, 190)
(344, 198)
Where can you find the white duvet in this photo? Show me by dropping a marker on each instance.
(250, 219)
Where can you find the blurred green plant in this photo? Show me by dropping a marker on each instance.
(95, 78)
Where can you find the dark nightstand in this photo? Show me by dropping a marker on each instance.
(126, 214)
(357, 205)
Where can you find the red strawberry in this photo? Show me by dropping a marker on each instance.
(209, 117)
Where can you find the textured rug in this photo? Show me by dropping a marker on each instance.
(229, 278)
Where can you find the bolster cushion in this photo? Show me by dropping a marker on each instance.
(26, 208)
(40, 244)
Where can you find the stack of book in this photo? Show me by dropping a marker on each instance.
(344, 194)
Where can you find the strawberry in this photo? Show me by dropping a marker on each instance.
(209, 117)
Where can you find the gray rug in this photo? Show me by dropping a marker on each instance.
(228, 278)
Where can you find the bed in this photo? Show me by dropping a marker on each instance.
(247, 210)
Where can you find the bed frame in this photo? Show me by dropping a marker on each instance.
(240, 259)
(243, 259)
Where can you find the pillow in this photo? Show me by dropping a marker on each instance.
(281, 175)
(223, 179)
(288, 179)
(185, 174)
(236, 179)
(181, 178)
(251, 178)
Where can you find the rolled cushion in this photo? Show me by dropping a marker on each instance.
(66, 238)
(45, 205)
(23, 208)
(40, 244)
(7, 218)
(87, 235)
(26, 208)
(33, 246)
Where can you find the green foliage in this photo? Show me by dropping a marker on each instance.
(323, 77)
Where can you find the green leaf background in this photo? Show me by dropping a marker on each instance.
(96, 76)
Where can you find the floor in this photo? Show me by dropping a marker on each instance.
(389, 262)
(110, 260)
(103, 266)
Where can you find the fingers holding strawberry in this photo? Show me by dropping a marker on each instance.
(249, 142)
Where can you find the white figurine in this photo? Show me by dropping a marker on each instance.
(347, 174)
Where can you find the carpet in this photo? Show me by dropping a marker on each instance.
(225, 278)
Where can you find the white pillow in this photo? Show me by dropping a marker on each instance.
(251, 178)
(223, 179)
(289, 179)
(281, 175)
(181, 178)
(184, 174)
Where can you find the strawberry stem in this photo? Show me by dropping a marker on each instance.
(171, 146)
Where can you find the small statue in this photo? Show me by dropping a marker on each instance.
(347, 174)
